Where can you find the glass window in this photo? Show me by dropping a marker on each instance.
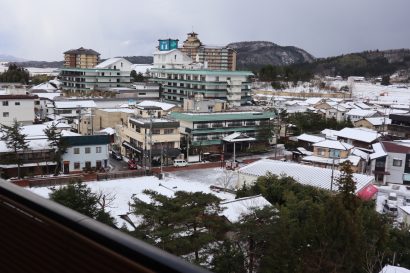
(168, 131)
(76, 151)
(156, 131)
(98, 150)
(6, 114)
(396, 162)
(76, 165)
(17, 103)
(5, 103)
(87, 150)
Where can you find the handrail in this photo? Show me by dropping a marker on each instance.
(120, 244)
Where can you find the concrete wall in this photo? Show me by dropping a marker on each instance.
(396, 173)
(24, 112)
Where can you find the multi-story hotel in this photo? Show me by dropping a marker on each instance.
(217, 57)
(114, 72)
(181, 77)
(81, 58)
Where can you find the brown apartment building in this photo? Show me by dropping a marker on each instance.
(217, 57)
(81, 58)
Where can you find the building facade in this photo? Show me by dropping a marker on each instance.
(216, 57)
(111, 73)
(85, 153)
(400, 126)
(81, 58)
(17, 107)
(144, 138)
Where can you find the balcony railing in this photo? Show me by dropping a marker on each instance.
(41, 236)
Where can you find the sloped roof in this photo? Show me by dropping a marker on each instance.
(238, 137)
(82, 50)
(307, 175)
(394, 269)
(111, 61)
(394, 147)
(163, 105)
(361, 113)
(377, 121)
(360, 134)
(310, 138)
(234, 209)
(378, 151)
(75, 104)
(333, 144)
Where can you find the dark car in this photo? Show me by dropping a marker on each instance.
(116, 155)
(132, 164)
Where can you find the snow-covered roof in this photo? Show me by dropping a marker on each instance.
(394, 269)
(44, 86)
(378, 151)
(109, 62)
(313, 101)
(75, 104)
(69, 133)
(310, 138)
(329, 133)
(234, 209)
(333, 144)
(406, 209)
(377, 121)
(163, 105)
(362, 105)
(307, 175)
(47, 95)
(361, 113)
(329, 161)
(360, 153)
(238, 137)
(360, 134)
(59, 125)
(141, 68)
(108, 131)
(304, 151)
(36, 138)
(123, 110)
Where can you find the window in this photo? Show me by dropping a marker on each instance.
(88, 164)
(37, 102)
(168, 131)
(396, 162)
(87, 150)
(156, 131)
(5, 114)
(17, 103)
(98, 150)
(76, 151)
(76, 165)
(5, 103)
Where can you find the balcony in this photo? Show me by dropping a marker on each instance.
(42, 236)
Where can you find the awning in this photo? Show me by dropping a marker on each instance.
(367, 192)
(128, 145)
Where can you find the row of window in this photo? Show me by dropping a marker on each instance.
(6, 103)
(77, 165)
(87, 150)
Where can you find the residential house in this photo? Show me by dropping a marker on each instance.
(378, 124)
(400, 126)
(306, 141)
(331, 153)
(85, 153)
(358, 137)
(17, 107)
(357, 114)
(391, 162)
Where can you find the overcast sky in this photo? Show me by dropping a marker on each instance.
(44, 29)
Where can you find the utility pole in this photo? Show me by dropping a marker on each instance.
(150, 140)
(79, 118)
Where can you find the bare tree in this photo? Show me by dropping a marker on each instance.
(226, 179)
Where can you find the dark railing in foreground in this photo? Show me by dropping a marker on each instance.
(38, 235)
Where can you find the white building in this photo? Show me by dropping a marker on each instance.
(114, 72)
(85, 153)
(18, 107)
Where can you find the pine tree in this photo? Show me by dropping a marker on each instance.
(80, 198)
(57, 143)
(15, 140)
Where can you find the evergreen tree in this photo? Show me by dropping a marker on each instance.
(80, 198)
(228, 257)
(184, 224)
(15, 140)
(57, 143)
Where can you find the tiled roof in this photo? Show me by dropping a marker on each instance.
(82, 50)
(360, 134)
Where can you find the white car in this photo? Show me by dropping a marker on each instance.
(180, 163)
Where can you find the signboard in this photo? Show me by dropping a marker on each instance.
(168, 44)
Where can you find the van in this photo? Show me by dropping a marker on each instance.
(390, 209)
(180, 163)
(392, 198)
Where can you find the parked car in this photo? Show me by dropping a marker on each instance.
(392, 199)
(116, 155)
(390, 209)
(132, 164)
(180, 163)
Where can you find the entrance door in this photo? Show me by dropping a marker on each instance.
(66, 167)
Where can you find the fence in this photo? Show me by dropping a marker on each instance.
(119, 175)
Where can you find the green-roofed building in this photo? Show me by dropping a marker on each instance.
(208, 129)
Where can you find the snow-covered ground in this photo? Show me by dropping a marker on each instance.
(124, 189)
